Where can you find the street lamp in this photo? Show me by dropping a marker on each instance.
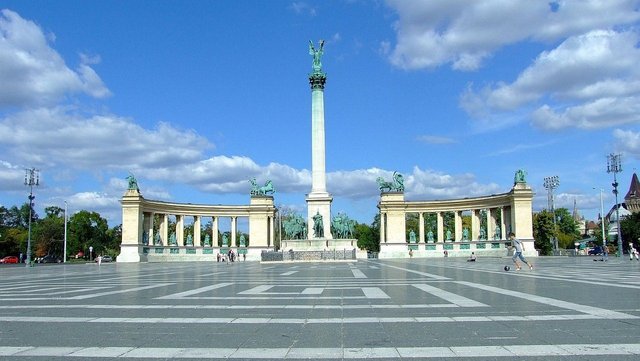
(65, 233)
(31, 178)
(604, 235)
(551, 183)
(614, 166)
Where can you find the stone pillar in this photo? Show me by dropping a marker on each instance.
(180, 230)
(503, 228)
(475, 224)
(214, 231)
(457, 216)
(421, 228)
(197, 239)
(319, 200)
(165, 229)
(132, 227)
(148, 228)
(261, 221)
(383, 228)
(440, 222)
(234, 230)
(491, 224)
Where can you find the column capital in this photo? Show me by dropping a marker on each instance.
(317, 80)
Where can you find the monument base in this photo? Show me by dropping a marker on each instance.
(318, 244)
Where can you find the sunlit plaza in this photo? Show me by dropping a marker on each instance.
(564, 309)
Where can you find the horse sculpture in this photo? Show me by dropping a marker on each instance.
(342, 226)
(397, 185)
(295, 227)
(257, 190)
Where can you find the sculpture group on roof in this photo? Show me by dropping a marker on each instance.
(397, 185)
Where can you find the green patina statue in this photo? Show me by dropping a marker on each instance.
(317, 56)
(412, 237)
(264, 190)
(133, 183)
(519, 177)
(207, 240)
(318, 227)
(397, 185)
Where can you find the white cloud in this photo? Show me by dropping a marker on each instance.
(588, 81)
(55, 136)
(628, 142)
(464, 34)
(32, 72)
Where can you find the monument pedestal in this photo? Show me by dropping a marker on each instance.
(318, 244)
(319, 203)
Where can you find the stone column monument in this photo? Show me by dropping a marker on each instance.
(319, 200)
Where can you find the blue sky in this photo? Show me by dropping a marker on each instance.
(196, 97)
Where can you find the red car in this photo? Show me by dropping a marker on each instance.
(9, 259)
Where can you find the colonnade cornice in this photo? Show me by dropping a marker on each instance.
(493, 201)
(189, 209)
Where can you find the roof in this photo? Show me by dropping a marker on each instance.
(634, 188)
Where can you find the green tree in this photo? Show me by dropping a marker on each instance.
(543, 231)
(48, 233)
(87, 229)
(630, 227)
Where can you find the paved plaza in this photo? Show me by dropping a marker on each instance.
(565, 309)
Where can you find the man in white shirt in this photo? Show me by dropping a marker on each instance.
(518, 252)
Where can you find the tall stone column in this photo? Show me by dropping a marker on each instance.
(319, 200)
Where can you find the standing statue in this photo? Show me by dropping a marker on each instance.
(465, 234)
(318, 228)
(189, 240)
(412, 237)
(172, 240)
(430, 236)
(317, 56)
(243, 241)
(157, 241)
(225, 240)
(448, 235)
(133, 183)
(483, 234)
(145, 238)
(498, 234)
(207, 241)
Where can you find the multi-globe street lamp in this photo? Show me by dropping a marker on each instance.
(614, 166)
(551, 183)
(31, 178)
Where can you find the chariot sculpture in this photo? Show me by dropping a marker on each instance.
(397, 185)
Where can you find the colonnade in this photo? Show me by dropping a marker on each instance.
(504, 213)
(143, 240)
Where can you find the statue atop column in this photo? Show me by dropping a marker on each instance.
(317, 56)
(133, 183)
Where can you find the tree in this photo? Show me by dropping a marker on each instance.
(543, 231)
(48, 232)
(87, 229)
(630, 228)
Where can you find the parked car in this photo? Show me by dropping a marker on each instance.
(105, 258)
(50, 259)
(595, 251)
(9, 259)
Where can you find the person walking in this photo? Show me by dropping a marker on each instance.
(632, 252)
(518, 252)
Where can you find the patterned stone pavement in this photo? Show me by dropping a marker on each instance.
(565, 309)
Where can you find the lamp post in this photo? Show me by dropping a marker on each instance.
(614, 166)
(604, 235)
(65, 233)
(551, 183)
(31, 178)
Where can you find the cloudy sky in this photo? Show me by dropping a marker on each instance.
(196, 97)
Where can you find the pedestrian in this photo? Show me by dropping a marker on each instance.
(518, 252)
(244, 257)
(632, 252)
(605, 253)
(472, 258)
